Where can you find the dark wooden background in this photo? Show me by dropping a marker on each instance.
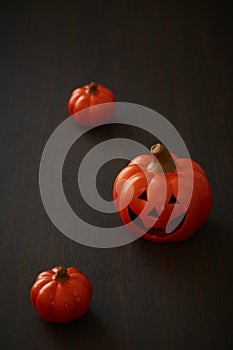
(174, 57)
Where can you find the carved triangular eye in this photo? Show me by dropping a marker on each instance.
(173, 200)
(143, 196)
(154, 213)
(132, 214)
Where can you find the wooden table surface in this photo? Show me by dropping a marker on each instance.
(173, 57)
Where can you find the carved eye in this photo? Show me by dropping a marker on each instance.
(132, 214)
(143, 196)
(173, 200)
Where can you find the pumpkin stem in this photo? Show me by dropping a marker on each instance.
(93, 88)
(61, 275)
(164, 161)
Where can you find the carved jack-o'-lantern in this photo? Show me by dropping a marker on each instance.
(156, 192)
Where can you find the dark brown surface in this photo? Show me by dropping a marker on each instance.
(176, 59)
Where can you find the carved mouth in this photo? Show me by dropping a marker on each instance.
(157, 231)
(160, 231)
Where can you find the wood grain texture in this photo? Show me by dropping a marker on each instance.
(174, 58)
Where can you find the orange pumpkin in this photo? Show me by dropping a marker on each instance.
(90, 95)
(61, 295)
(150, 187)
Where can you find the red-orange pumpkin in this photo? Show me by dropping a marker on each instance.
(153, 181)
(90, 95)
(61, 294)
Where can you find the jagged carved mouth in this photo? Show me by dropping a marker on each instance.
(158, 231)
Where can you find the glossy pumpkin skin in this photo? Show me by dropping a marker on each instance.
(158, 202)
(90, 95)
(62, 300)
